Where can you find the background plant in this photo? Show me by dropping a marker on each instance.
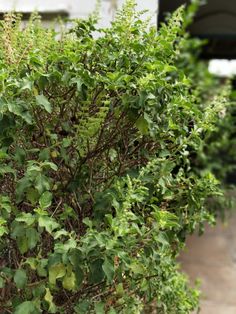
(217, 150)
(98, 182)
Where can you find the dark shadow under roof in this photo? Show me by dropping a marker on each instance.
(215, 21)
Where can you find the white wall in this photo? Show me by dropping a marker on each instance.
(75, 8)
(82, 8)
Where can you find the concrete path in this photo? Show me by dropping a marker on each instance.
(212, 259)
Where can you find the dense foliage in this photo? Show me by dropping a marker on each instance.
(98, 177)
(217, 152)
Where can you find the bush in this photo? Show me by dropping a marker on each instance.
(98, 188)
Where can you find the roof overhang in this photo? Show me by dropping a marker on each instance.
(47, 9)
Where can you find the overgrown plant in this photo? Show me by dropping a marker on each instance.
(97, 186)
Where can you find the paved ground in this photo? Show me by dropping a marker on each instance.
(212, 258)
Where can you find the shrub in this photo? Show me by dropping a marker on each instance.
(98, 188)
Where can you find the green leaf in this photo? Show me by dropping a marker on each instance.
(49, 299)
(44, 154)
(3, 155)
(82, 307)
(96, 273)
(58, 234)
(7, 169)
(2, 283)
(32, 262)
(55, 272)
(51, 165)
(165, 218)
(41, 267)
(79, 275)
(32, 196)
(22, 185)
(20, 278)
(65, 247)
(38, 292)
(45, 200)
(137, 268)
(100, 308)
(76, 259)
(27, 218)
(32, 236)
(108, 269)
(120, 290)
(43, 102)
(19, 108)
(88, 222)
(3, 230)
(26, 307)
(22, 244)
(69, 281)
(112, 154)
(42, 183)
(48, 223)
(142, 125)
(26, 84)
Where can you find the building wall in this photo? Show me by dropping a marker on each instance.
(76, 8)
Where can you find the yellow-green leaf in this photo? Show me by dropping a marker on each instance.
(55, 272)
(69, 281)
(49, 299)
